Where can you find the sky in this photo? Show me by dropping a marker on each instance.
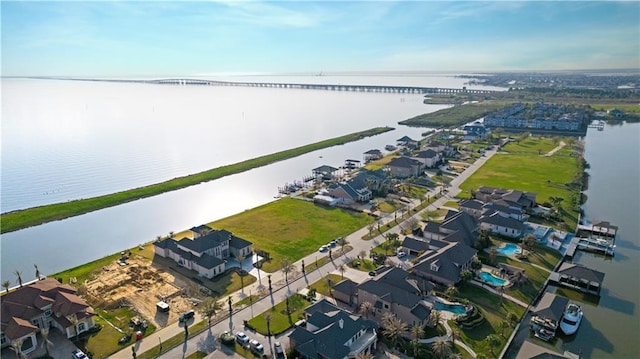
(178, 38)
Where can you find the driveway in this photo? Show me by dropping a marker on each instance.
(61, 347)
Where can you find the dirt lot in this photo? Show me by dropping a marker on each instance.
(140, 285)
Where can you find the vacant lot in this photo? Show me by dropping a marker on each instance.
(292, 228)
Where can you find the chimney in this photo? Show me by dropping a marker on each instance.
(341, 323)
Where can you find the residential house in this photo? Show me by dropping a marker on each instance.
(408, 142)
(445, 265)
(429, 158)
(478, 209)
(416, 247)
(474, 131)
(399, 293)
(332, 333)
(404, 167)
(511, 198)
(472, 206)
(350, 192)
(345, 291)
(497, 223)
(532, 350)
(457, 226)
(436, 146)
(324, 172)
(550, 310)
(206, 253)
(42, 304)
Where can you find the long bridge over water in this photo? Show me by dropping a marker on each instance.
(327, 87)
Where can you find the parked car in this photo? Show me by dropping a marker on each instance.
(300, 323)
(401, 254)
(279, 351)
(78, 354)
(256, 347)
(324, 248)
(242, 338)
(333, 244)
(186, 316)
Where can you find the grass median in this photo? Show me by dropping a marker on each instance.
(13, 221)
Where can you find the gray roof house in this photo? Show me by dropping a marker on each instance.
(513, 198)
(416, 247)
(332, 333)
(205, 253)
(346, 291)
(403, 167)
(550, 309)
(399, 292)
(497, 223)
(457, 226)
(350, 192)
(429, 158)
(445, 265)
(579, 277)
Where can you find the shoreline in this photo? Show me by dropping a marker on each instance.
(20, 219)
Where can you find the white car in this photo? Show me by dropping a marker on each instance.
(256, 346)
(324, 248)
(401, 254)
(242, 338)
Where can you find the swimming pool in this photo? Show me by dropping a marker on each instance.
(453, 308)
(491, 279)
(509, 249)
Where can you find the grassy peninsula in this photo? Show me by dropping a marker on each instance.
(13, 221)
(454, 116)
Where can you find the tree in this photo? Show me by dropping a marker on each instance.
(503, 325)
(441, 348)
(476, 265)
(209, 308)
(451, 291)
(240, 260)
(455, 334)
(37, 272)
(466, 276)
(493, 254)
(6, 284)
(19, 275)
(455, 356)
(365, 355)
(493, 341)
(530, 242)
(342, 268)
(267, 318)
(393, 328)
(371, 227)
(16, 346)
(417, 332)
(362, 254)
(434, 318)
(512, 318)
(45, 340)
(342, 242)
(365, 308)
(500, 290)
(287, 267)
(393, 236)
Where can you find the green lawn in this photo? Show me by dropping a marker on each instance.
(493, 312)
(453, 116)
(281, 318)
(364, 265)
(521, 167)
(291, 228)
(322, 286)
(105, 342)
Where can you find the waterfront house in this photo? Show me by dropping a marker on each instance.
(397, 292)
(500, 224)
(408, 142)
(444, 265)
(332, 333)
(511, 198)
(429, 158)
(474, 131)
(350, 191)
(436, 146)
(549, 311)
(324, 172)
(207, 252)
(531, 350)
(42, 304)
(403, 167)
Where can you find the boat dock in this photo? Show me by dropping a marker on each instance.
(597, 237)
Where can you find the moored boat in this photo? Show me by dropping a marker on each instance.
(571, 319)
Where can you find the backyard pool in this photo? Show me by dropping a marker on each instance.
(509, 249)
(453, 307)
(492, 279)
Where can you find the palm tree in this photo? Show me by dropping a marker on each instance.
(37, 272)
(362, 254)
(365, 307)
(455, 356)
(451, 291)
(342, 268)
(16, 346)
(493, 341)
(342, 242)
(19, 275)
(434, 318)
(455, 334)
(241, 259)
(267, 318)
(371, 227)
(441, 348)
(417, 332)
(512, 318)
(503, 325)
(501, 292)
(393, 329)
(481, 356)
(6, 284)
(209, 308)
(45, 340)
(287, 267)
(493, 254)
(365, 355)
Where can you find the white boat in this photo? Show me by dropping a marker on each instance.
(571, 319)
